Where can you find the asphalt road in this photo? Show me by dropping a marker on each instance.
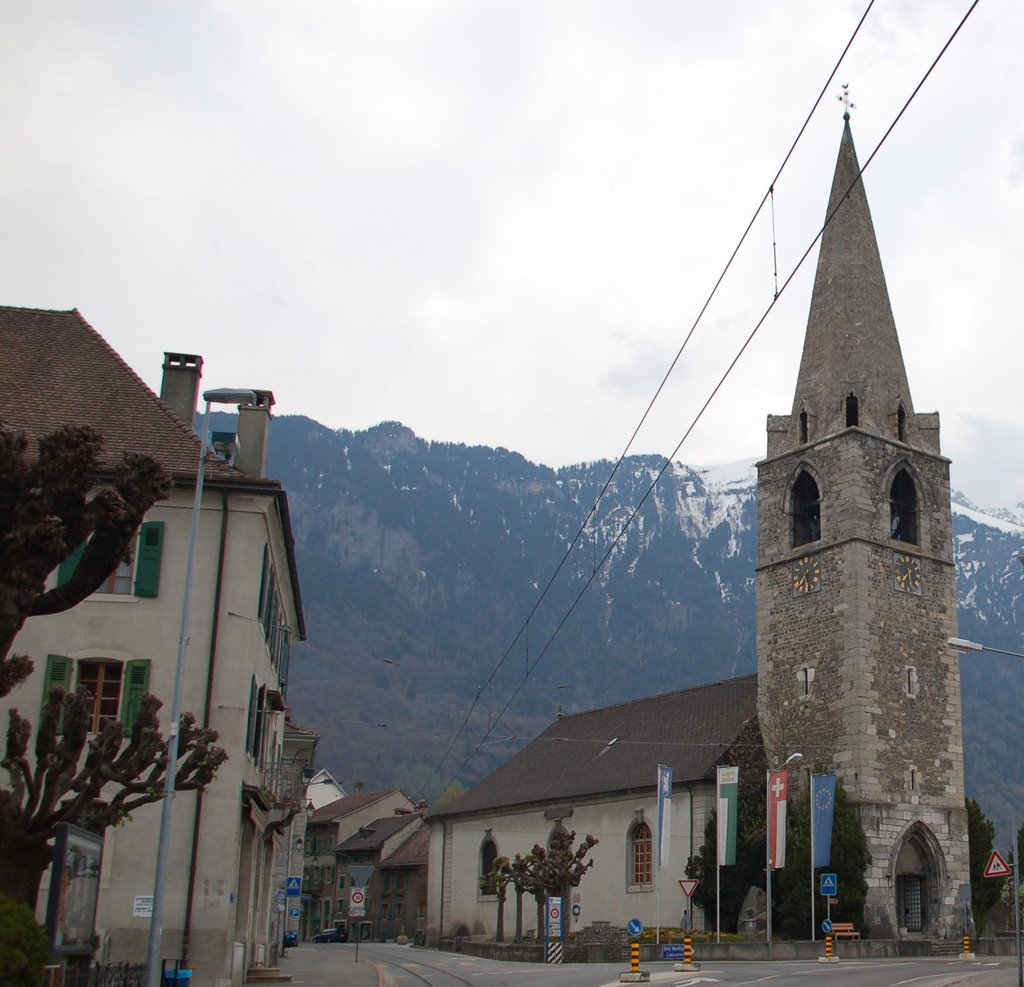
(389, 965)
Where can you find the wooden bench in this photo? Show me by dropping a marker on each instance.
(844, 930)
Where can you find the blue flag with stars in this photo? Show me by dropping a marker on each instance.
(823, 803)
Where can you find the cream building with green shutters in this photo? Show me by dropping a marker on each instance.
(220, 913)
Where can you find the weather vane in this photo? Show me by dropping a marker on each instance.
(845, 100)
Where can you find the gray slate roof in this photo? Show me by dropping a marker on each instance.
(575, 757)
(371, 837)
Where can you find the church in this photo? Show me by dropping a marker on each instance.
(856, 599)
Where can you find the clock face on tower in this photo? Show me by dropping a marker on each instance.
(806, 574)
(906, 573)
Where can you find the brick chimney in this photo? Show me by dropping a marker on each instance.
(253, 432)
(357, 788)
(179, 387)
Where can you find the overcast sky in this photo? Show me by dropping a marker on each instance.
(496, 221)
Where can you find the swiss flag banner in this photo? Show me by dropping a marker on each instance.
(778, 784)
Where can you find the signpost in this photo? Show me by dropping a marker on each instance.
(293, 887)
(689, 885)
(998, 867)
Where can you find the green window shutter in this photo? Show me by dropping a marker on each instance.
(67, 568)
(136, 682)
(58, 673)
(147, 568)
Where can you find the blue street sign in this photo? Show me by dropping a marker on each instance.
(635, 926)
(826, 925)
(672, 951)
(294, 887)
(293, 913)
(829, 884)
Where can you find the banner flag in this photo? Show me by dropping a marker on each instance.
(664, 812)
(778, 785)
(823, 803)
(728, 802)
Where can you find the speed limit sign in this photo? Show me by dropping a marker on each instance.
(357, 902)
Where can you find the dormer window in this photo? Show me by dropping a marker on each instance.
(903, 508)
(806, 510)
(852, 410)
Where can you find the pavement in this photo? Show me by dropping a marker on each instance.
(325, 966)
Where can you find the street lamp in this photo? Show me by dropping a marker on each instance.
(959, 644)
(792, 759)
(221, 395)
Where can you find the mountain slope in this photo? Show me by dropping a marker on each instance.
(422, 565)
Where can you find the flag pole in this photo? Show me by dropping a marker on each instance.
(810, 809)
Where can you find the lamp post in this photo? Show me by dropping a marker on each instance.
(960, 644)
(221, 395)
(792, 759)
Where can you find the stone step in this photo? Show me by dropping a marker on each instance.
(267, 975)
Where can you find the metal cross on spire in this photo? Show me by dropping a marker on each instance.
(845, 100)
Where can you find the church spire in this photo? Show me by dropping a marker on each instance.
(851, 371)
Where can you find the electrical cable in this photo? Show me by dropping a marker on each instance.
(668, 460)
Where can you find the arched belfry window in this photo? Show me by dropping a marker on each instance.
(803, 427)
(852, 410)
(901, 423)
(806, 510)
(903, 508)
(488, 854)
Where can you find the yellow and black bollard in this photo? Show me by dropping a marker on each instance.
(688, 950)
(634, 956)
(828, 947)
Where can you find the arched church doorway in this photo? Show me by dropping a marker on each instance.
(918, 877)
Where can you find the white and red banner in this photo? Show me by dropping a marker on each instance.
(778, 786)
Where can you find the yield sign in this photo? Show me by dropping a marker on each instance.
(996, 866)
(689, 885)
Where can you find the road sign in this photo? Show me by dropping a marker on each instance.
(672, 951)
(829, 885)
(997, 867)
(833, 901)
(635, 926)
(826, 925)
(555, 917)
(689, 886)
(360, 874)
(280, 896)
(293, 913)
(357, 902)
(294, 887)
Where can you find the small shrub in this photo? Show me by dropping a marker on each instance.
(23, 946)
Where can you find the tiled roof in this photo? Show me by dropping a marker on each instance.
(348, 804)
(373, 834)
(414, 852)
(57, 370)
(617, 749)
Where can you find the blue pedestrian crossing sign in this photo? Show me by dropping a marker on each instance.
(294, 887)
(829, 885)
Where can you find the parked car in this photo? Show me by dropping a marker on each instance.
(331, 935)
(291, 938)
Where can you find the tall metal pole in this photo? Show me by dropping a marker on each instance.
(768, 855)
(1016, 912)
(810, 801)
(156, 922)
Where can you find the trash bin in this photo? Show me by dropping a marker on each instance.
(174, 976)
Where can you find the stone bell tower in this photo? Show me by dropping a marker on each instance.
(856, 593)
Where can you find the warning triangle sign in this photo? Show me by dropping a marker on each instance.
(996, 866)
(689, 886)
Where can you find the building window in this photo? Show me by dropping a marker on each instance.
(903, 508)
(901, 423)
(116, 687)
(399, 909)
(852, 410)
(911, 680)
(270, 610)
(913, 779)
(806, 510)
(488, 854)
(803, 427)
(143, 562)
(641, 848)
(805, 676)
